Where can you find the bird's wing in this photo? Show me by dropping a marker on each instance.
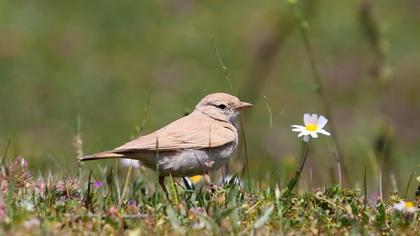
(195, 131)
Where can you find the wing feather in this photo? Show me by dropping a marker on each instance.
(195, 131)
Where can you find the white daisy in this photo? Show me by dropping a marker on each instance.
(231, 179)
(314, 125)
(406, 207)
(28, 205)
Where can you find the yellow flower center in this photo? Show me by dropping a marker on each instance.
(409, 204)
(311, 127)
(196, 178)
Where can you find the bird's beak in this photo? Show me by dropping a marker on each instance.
(243, 105)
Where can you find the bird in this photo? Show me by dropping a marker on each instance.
(195, 144)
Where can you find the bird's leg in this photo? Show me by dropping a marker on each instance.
(206, 178)
(209, 166)
(212, 187)
(162, 185)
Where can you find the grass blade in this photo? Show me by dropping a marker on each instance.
(263, 218)
(6, 151)
(174, 190)
(409, 183)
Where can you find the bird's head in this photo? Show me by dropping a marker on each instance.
(222, 106)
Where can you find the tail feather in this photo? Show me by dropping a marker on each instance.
(102, 155)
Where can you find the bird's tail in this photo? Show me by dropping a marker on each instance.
(101, 156)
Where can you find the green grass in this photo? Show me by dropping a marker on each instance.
(53, 205)
(101, 60)
(116, 65)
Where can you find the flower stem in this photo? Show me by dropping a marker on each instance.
(293, 182)
(303, 27)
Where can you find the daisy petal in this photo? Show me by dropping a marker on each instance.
(399, 206)
(299, 129)
(322, 121)
(314, 119)
(323, 131)
(306, 118)
(314, 135)
(304, 132)
(306, 138)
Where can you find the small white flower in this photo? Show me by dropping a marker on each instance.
(128, 162)
(27, 205)
(231, 179)
(314, 125)
(406, 207)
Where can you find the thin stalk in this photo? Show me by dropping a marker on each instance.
(270, 125)
(339, 173)
(227, 77)
(208, 164)
(146, 113)
(117, 183)
(292, 183)
(246, 153)
(138, 132)
(365, 200)
(221, 63)
(380, 186)
(78, 143)
(88, 197)
(340, 176)
(229, 81)
(127, 179)
(157, 157)
(303, 28)
(393, 183)
(6, 151)
(409, 183)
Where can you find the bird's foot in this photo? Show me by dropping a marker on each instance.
(212, 187)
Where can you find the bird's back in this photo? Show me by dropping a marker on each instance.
(195, 131)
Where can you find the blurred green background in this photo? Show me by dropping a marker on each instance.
(101, 59)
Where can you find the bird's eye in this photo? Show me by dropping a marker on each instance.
(221, 106)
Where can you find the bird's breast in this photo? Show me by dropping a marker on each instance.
(195, 162)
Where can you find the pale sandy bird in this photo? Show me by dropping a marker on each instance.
(192, 145)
